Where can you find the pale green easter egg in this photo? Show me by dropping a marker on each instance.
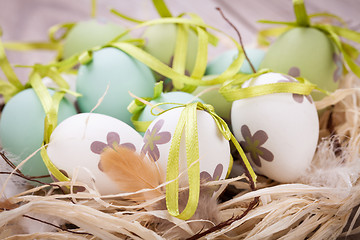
(161, 42)
(211, 95)
(219, 64)
(22, 129)
(88, 34)
(169, 97)
(309, 53)
(113, 69)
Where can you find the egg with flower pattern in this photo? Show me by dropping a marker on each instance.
(278, 132)
(214, 149)
(309, 53)
(76, 144)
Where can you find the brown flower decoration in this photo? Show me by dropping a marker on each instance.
(206, 177)
(113, 140)
(252, 145)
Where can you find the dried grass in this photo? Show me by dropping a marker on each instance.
(318, 206)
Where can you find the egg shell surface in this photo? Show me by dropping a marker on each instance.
(278, 132)
(309, 53)
(161, 42)
(214, 149)
(122, 73)
(76, 145)
(88, 34)
(22, 129)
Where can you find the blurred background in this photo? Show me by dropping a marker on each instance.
(30, 20)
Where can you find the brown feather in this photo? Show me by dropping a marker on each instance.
(132, 172)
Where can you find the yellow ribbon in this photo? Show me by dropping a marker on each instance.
(334, 33)
(13, 85)
(50, 105)
(136, 107)
(188, 120)
(233, 90)
(195, 23)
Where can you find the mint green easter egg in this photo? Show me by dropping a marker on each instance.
(161, 42)
(309, 53)
(88, 34)
(22, 129)
(122, 73)
(219, 64)
(169, 97)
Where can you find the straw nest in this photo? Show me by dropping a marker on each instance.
(323, 204)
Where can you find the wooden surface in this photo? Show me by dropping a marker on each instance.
(29, 20)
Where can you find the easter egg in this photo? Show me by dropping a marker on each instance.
(278, 132)
(214, 149)
(116, 73)
(309, 53)
(88, 34)
(219, 64)
(169, 97)
(76, 144)
(22, 129)
(161, 42)
(69, 78)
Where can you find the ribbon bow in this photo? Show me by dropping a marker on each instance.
(136, 107)
(188, 120)
(334, 33)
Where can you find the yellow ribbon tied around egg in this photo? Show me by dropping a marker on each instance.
(233, 90)
(188, 123)
(334, 33)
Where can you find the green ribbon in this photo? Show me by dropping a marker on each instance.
(188, 121)
(196, 24)
(162, 8)
(13, 85)
(233, 90)
(334, 33)
(136, 107)
(50, 105)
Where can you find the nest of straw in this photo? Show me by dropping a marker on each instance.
(323, 204)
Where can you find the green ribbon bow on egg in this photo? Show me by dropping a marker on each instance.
(136, 107)
(233, 90)
(188, 122)
(334, 33)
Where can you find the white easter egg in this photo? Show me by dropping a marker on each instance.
(278, 132)
(78, 141)
(214, 149)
